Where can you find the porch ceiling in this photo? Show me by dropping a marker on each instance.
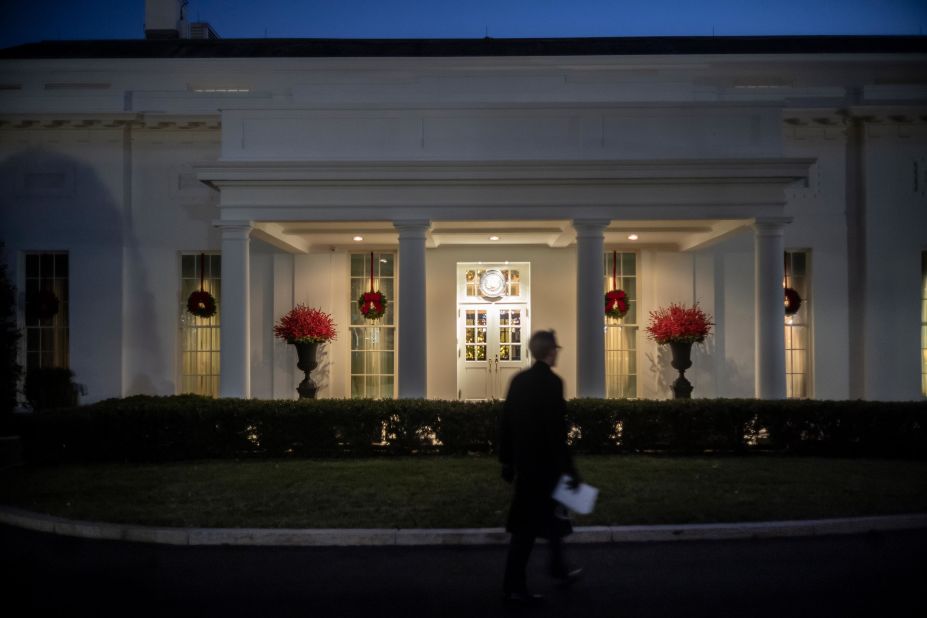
(679, 235)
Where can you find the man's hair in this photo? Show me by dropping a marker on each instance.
(542, 343)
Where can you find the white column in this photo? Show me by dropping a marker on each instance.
(235, 306)
(769, 328)
(590, 321)
(413, 373)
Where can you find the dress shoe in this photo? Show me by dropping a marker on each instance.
(565, 581)
(522, 599)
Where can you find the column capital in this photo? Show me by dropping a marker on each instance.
(234, 229)
(585, 227)
(412, 228)
(770, 226)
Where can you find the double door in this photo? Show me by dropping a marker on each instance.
(492, 347)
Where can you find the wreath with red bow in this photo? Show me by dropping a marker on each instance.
(45, 304)
(372, 304)
(201, 303)
(616, 301)
(616, 304)
(792, 301)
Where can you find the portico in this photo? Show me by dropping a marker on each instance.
(415, 198)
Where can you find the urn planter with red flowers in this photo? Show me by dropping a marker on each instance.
(680, 326)
(306, 328)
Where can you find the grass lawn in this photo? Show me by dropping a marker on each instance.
(451, 492)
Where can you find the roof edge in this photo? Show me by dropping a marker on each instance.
(486, 47)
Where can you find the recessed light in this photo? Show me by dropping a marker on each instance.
(493, 238)
(632, 237)
(358, 238)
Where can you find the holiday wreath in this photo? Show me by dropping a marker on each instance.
(792, 301)
(372, 304)
(616, 304)
(45, 304)
(616, 301)
(201, 303)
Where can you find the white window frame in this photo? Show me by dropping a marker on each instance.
(630, 321)
(190, 327)
(60, 323)
(375, 330)
(801, 320)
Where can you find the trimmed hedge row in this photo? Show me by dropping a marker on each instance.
(146, 428)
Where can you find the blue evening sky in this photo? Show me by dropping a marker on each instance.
(34, 20)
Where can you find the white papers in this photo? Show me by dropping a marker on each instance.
(580, 500)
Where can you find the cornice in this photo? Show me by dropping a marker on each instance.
(840, 116)
(209, 122)
(508, 172)
(889, 114)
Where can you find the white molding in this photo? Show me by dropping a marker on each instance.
(256, 173)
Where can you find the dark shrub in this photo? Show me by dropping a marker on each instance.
(190, 427)
(50, 387)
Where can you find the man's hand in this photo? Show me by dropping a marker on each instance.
(508, 473)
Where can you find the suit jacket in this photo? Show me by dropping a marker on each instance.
(532, 439)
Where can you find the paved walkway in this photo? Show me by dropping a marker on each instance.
(828, 576)
(456, 536)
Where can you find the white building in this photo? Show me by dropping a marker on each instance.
(714, 170)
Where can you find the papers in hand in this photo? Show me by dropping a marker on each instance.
(580, 500)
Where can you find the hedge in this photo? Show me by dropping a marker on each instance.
(184, 427)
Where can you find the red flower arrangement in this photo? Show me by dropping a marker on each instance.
(305, 325)
(678, 324)
(372, 305)
(616, 304)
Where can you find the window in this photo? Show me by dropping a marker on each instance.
(373, 373)
(199, 337)
(621, 333)
(481, 281)
(924, 323)
(46, 310)
(797, 327)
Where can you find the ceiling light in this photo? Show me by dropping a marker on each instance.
(632, 237)
(493, 238)
(358, 238)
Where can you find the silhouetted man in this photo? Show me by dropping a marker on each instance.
(534, 454)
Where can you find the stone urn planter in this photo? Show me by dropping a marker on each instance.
(682, 360)
(306, 354)
(680, 326)
(306, 327)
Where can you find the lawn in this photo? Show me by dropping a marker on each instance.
(451, 492)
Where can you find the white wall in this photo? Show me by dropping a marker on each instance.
(479, 134)
(167, 213)
(819, 225)
(896, 234)
(62, 191)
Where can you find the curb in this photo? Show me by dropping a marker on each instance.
(343, 537)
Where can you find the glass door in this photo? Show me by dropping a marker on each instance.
(492, 348)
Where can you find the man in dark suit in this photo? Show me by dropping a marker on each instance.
(534, 454)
